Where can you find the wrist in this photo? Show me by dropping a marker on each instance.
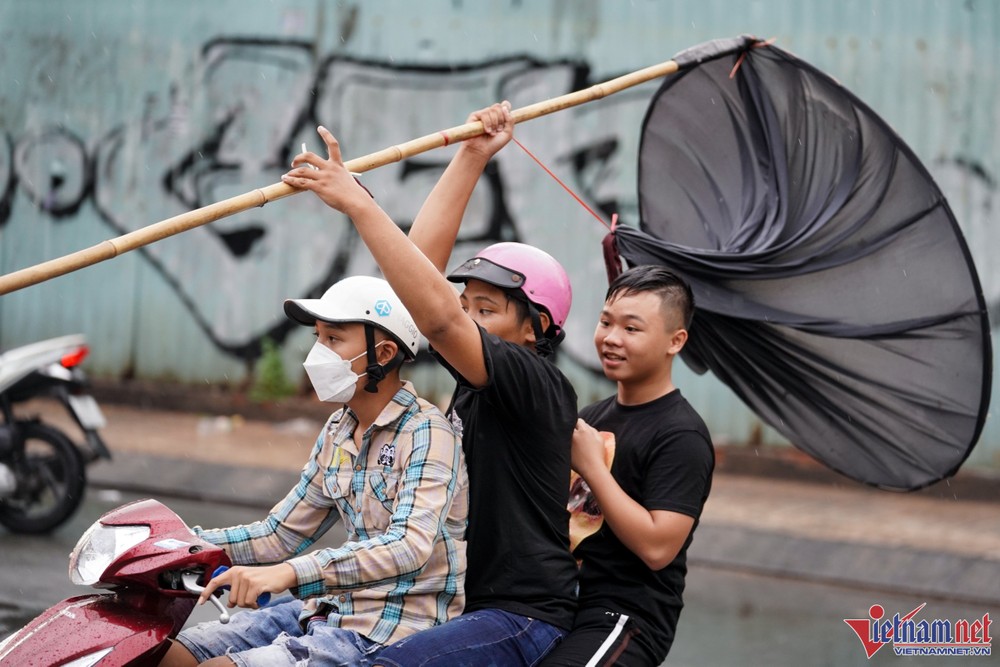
(469, 153)
(290, 578)
(360, 206)
(591, 473)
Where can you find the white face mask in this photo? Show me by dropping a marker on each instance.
(331, 374)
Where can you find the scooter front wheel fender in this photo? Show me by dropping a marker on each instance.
(87, 624)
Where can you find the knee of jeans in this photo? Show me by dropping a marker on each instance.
(299, 653)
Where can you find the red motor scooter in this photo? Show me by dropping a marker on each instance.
(155, 568)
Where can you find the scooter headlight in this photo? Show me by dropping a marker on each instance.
(99, 547)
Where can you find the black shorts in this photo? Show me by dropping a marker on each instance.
(602, 638)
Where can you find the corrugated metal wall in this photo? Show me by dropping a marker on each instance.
(115, 115)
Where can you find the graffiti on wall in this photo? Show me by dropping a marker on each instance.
(251, 105)
(238, 128)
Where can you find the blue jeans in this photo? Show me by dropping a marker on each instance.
(485, 638)
(272, 637)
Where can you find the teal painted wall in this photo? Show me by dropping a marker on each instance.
(115, 114)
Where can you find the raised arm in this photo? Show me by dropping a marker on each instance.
(436, 226)
(417, 282)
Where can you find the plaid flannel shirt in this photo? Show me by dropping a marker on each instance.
(403, 498)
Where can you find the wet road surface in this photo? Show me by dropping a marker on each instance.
(730, 618)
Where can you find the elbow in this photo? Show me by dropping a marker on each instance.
(422, 549)
(658, 557)
(655, 563)
(418, 549)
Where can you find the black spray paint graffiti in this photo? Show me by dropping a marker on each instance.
(7, 180)
(256, 101)
(252, 105)
(51, 168)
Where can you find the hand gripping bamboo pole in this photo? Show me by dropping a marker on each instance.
(180, 223)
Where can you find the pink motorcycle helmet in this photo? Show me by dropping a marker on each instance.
(525, 268)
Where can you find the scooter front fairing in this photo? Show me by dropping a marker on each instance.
(155, 568)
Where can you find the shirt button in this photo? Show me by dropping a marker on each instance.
(358, 468)
(343, 598)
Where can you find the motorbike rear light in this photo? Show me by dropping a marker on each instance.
(99, 547)
(75, 357)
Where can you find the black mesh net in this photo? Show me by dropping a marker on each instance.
(835, 293)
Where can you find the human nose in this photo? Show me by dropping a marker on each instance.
(612, 336)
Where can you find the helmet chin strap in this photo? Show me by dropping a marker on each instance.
(375, 371)
(544, 345)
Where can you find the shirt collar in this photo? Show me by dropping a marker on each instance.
(398, 406)
(392, 412)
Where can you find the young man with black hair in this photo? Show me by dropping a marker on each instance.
(634, 561)
(516, 408)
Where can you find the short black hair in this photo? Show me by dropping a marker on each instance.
(522, 310)
(673, 291)
(520, 302)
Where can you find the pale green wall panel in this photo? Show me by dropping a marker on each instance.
(116, 114)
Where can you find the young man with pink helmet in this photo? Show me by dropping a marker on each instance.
(516, 409)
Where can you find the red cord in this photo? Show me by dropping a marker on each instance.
(565, 187)
(756, 45)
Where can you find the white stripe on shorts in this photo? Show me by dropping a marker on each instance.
(617, 630)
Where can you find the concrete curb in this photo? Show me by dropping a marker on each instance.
(944, 576)
(161, 476)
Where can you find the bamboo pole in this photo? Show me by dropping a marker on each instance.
(189, 220)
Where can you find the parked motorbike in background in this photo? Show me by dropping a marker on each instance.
(42, 471)
(155, 567)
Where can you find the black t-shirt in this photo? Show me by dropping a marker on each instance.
(664, 460)
(517, 432)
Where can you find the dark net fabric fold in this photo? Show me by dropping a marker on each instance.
(835, 293)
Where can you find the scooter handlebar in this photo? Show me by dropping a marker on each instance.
(190, 582)
(262, 600)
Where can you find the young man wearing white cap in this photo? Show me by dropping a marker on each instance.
(389, 465)
(517, 409)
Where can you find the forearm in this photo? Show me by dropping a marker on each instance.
(417, 282)
(632, 523)
(436, 226)
(364, 564)
(421, 287)
(258, 543)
